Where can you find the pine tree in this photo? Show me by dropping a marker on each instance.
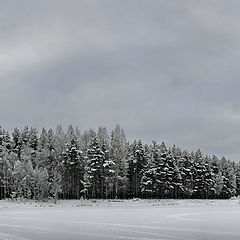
(187, 170)
(70, 165)
(199, 176)
(161, 171)
(41, 186)
(216, 176)
(5, 170)
(107, 173)
(136, 168)
(33, 144)
(148, 180)
(23, 176)
(73, 166)
(17, 142)
(118, 154)
(53, 166)
(237, 179)
(92, 177)
(228, 178)
(209, 178)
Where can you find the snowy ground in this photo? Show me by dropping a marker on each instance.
(130, 219)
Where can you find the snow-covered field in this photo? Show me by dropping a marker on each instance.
(129, 219)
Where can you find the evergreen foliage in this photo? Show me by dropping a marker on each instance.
(47, 164)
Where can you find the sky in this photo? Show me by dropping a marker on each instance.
(163, 69)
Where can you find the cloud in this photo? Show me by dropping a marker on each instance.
(165, 70)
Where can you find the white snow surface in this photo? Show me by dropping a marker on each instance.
(120, 219)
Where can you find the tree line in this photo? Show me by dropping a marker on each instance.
(69, 165)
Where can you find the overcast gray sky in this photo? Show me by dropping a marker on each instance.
(165, 70)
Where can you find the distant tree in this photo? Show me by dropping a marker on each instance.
(69, 165)
(137, 162)
(187, 173)
(199, 174)
(118, 154)
(237, 179)
(72, 166)
(5, 168)
(92, 177)
(148, 180)
(228, 179)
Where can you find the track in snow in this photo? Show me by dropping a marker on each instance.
(133, 223)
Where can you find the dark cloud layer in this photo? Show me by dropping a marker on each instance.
(165, 70)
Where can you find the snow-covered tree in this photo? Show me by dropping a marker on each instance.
(92, 176)
(118, 154)
(136, 165)
(148, 180)
(5, 168)
(70, 165)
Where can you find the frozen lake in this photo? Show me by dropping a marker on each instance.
(124, 221)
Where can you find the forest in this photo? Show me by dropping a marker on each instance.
(53, 164)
